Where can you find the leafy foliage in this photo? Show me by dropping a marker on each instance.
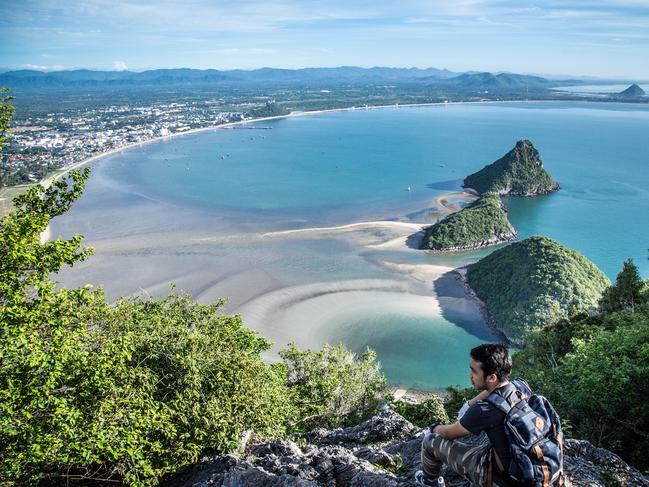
(595, 370)
(535, 282)
(131, 391)
(331, 387)
(626, 292)
(455, 399)
(7, 111)
(424, 413)
(482, 222)
(519, 172)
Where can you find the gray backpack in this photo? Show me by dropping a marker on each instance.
(533, 429)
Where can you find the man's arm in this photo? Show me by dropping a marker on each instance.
(451, 431)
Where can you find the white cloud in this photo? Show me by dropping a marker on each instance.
(119, 66)
(39, 67)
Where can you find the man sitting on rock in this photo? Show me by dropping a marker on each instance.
(490, 368)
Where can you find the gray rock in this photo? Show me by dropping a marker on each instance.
(381, 452)
(583, 458)
(387, 426)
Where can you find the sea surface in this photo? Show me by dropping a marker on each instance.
(196, 210)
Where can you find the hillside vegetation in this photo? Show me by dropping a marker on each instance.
(534, 282)
(595, 368)
(481, 223)
(520, 172)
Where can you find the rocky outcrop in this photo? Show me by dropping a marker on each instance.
(381, 452)
(520, 172)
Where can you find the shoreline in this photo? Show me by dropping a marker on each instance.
(489, 321)
(260, 306)
(66, 169)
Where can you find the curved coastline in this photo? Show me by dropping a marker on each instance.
(268, 303)
(64, 170)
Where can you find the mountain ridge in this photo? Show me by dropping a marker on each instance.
(338, 75)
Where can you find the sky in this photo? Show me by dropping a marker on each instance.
(582, 38)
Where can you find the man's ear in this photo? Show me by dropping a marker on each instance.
(492, 378)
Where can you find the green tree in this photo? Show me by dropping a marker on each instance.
(602, 387)
(128, 392)
(593, 368)
(7, 111)
(626, 293)
(332, 387)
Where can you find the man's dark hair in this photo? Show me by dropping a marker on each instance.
(494, 359)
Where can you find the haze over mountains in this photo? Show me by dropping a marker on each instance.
(82, 78)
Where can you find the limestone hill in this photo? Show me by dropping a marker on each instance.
(520, 172)
(482, 223)
(534, 282)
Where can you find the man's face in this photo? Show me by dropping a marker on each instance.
(476, 375)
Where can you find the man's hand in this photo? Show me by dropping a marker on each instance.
(451, 431)
(480, 397)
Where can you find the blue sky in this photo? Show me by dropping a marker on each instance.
(597, 38)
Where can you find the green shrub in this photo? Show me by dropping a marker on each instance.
(593, 368)
(332, 387)
(424, 413)
(129, 392)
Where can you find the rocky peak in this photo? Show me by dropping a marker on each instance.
(519, 172)
(524, 150)
(633, 91)
(381, 452)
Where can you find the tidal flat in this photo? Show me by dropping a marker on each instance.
(307, 229)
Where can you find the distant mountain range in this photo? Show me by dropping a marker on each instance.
(83, 78)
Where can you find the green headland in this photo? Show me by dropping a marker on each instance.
(520, 172)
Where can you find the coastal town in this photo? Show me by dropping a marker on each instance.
(44, 143)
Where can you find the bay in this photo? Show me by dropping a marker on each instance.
(203, 211)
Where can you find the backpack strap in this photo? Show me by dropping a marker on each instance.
(505, 398)
(544, 465)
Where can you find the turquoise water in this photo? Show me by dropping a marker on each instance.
(345, 167)
(331, 168)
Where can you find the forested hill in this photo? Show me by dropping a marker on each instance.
(534, 282)
(520, 172)
(483, 222)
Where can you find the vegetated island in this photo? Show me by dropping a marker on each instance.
(532, 283)
(482, 223)
(520, 172)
